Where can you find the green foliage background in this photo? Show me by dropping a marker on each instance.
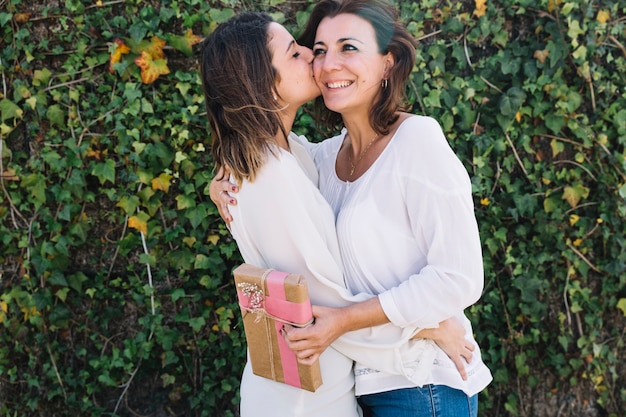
(97, 318)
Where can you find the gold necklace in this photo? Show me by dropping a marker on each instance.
(352, 164)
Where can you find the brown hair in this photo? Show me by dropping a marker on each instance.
(391, 36)
(239, 84)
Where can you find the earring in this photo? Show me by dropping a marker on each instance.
(384, 84)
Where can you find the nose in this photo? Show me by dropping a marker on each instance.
(306, 53)
(329, 61)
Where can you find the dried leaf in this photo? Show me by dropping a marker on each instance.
(155, 48)
(151, 68)
(116, 56)
(136, 223)
(603, 16)
(162, 182)
(481, 8)
(542, 55)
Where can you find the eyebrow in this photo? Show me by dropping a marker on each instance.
(340, 40)
(291, 44)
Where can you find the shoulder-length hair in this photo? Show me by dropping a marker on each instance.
(391, 36)
(239, 84)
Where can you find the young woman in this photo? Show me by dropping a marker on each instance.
(255, 77)
(403, 207)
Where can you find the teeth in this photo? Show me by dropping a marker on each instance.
(339, 84)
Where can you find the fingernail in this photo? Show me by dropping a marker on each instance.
(233, 188)
(231, 201)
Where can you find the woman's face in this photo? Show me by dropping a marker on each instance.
(295, 83)
(347, 66)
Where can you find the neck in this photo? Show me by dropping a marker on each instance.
(360, 133)
(287, 121)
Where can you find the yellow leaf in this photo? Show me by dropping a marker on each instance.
(553, 4)
(155, 48)
(138, 224)
(116, 56)
(162, 182)
(151, 69)
(29, 312)
(541, 55)
(603, 16)
(573, 219)
(578, 242)
(518, 116)
(4, 306)
(192, 39)
(9, 174)
(573, 194)
(484, 201)
(213, 239)
(189, 241)
(481, 8)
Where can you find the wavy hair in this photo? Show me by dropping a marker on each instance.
(391, 36)
(239, 84)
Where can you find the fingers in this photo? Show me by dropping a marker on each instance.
(304, 356)
(460, 366)
(307, 360)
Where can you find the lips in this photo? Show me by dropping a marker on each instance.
(339, 84)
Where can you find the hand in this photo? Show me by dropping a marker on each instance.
(450, 337)
(218, 191)
(310, 342)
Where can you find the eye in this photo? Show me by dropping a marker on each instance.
(318, 51)
(348, 47)
(297, 54)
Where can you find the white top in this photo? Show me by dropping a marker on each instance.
(408, 233)
(283, 222)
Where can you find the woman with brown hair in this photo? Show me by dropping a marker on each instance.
(255, 77)
(403, 208)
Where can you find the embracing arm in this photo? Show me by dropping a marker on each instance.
(331, 323)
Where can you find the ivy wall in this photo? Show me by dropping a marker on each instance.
(115, 289)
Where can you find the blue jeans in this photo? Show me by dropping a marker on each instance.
(428, 401)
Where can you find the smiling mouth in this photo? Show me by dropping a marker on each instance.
(339, 84)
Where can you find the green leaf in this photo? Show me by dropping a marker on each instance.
(105, 171)
(56, 115)
(511, 102)
(621, 304)
(177, 294)
(41, 77)
(196, 215)
(36, 185)
(9, 110)
(129, 204)
(197, 323)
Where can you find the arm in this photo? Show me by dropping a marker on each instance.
(331, 323)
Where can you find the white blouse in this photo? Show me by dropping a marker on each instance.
(407, 232)
(281, 221)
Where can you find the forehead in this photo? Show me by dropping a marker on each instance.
(344, 26)
(279, 37)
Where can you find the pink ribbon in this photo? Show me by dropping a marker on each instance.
(276, 289)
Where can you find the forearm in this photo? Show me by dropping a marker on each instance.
(362, 315)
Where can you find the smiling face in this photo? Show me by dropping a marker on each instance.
(295, 84)
(348, 66)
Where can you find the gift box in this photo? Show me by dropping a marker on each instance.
(270, 299)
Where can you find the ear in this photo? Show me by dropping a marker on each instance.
(388, 62)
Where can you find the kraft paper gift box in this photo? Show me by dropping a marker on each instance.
(270, 299)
